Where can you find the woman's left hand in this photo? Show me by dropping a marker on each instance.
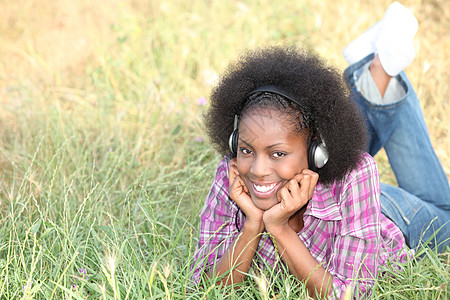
(291, 197)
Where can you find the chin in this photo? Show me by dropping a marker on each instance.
(264, 204)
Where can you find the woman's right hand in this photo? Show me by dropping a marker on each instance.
(239, 193)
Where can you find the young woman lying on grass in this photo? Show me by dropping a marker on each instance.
(296, 167)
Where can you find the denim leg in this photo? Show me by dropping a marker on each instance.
(418, 220)
(399, 127)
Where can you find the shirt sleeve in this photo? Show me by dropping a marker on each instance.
(357, 246)
(217, 223)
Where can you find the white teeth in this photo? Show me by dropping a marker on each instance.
(264, 188)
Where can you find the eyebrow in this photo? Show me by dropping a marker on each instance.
(271, 146)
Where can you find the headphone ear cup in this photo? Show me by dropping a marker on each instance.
(311, 151)
(233, 142)
(317, 155)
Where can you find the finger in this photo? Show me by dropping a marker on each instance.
(293, 186)
(232, 179)
(308, 171)
(237, 185)
(245, 187)
(233, 162)
(286, 197)
(307, 188)
(295, 190)
(233, 172)
(242, 183)
(314, 178)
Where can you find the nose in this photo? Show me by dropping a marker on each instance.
(260, 166)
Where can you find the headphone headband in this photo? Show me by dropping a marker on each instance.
(275, 90)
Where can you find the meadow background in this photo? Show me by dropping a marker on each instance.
(104, 165)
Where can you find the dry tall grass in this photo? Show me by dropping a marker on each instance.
(46, 48)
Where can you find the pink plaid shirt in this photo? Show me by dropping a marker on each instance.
(344, 228)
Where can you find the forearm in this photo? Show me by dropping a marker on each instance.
(236, 261)
(300, 261)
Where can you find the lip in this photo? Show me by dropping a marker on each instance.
(267, 194)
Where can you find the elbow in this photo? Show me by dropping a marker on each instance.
(320, 289)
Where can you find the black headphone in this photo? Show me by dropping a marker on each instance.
(317, 153)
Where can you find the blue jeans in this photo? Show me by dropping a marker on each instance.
(420, 205)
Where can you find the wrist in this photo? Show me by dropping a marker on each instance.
(254, 226)
(277, 229)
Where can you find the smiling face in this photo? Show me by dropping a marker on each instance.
(270, 152)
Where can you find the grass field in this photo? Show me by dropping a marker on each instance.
(104, 165)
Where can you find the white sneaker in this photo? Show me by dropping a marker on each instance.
(397, 28)
(394, 45)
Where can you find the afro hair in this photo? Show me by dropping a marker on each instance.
(320, 89)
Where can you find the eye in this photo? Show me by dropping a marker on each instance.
(278, 154)
(245, 151)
